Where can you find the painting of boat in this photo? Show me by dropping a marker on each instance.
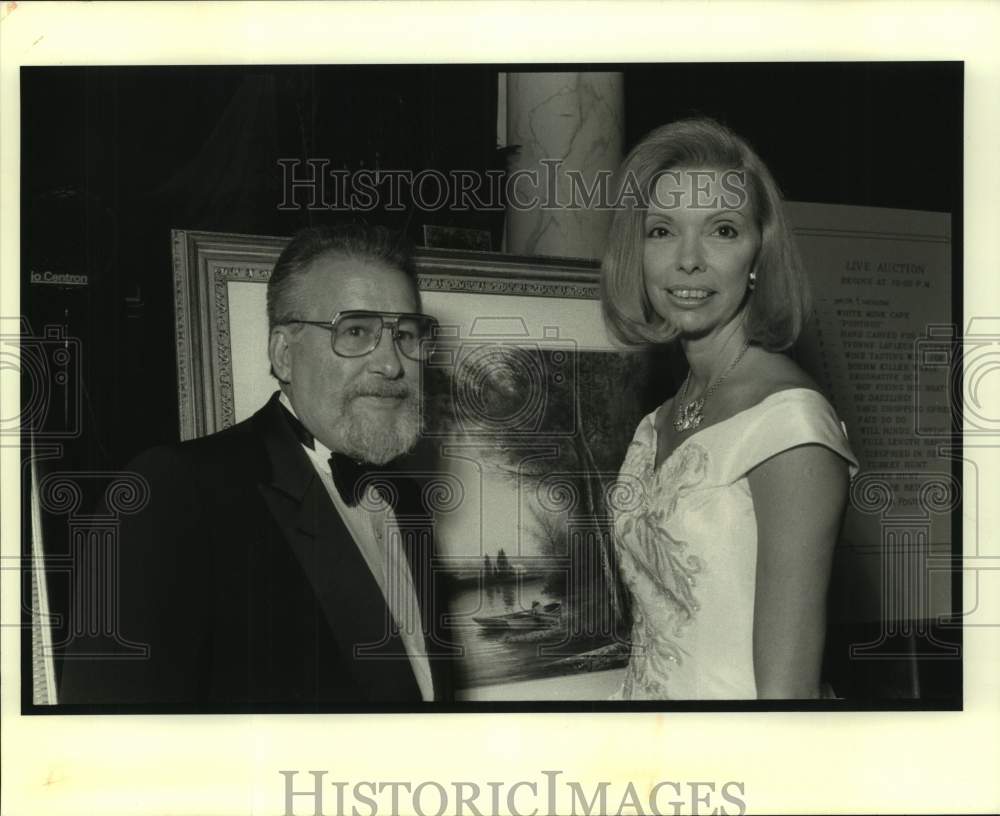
(540, 616)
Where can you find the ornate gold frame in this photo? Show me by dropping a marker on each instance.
(205, 262)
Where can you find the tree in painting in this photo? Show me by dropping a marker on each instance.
(579, 409)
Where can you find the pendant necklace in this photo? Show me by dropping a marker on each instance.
(690, 414)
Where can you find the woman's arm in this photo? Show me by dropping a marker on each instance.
(799, 497)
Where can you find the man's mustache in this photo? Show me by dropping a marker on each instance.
(394, 390)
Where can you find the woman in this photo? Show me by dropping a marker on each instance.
(733, 491)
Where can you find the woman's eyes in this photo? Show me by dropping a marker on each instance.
(722, 231)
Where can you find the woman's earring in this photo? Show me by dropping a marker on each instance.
(753, 280)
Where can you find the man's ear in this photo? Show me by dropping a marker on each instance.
(280, 352)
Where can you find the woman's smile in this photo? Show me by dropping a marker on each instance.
(688, 295)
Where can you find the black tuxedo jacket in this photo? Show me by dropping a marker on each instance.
(241, 578)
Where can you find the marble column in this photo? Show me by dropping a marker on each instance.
(569, 127)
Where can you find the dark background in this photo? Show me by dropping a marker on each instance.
(114, 158)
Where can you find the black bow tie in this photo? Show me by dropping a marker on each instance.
(349, 476)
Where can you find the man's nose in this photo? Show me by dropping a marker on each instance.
(384, 358)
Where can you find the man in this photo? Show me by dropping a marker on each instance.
(281, 561)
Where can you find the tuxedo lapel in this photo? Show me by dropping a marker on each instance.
(346, 591)
(429, 581)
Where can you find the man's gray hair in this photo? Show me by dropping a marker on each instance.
(360, 241)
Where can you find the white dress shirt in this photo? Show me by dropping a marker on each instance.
(373, 526)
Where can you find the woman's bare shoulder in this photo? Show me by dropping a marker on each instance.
(768, 373)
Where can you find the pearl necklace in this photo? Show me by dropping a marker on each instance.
(690, 415)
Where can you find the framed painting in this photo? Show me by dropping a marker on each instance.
(528, 409)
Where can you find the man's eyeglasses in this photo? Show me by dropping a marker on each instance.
(357, 332)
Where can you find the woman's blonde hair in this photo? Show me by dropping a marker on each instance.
(779, 303)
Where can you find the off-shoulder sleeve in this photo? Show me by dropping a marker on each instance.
(642, 450)
(780, 422)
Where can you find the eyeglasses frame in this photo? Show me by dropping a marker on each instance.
(390, 318)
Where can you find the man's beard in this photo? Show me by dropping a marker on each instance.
(368, 437)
